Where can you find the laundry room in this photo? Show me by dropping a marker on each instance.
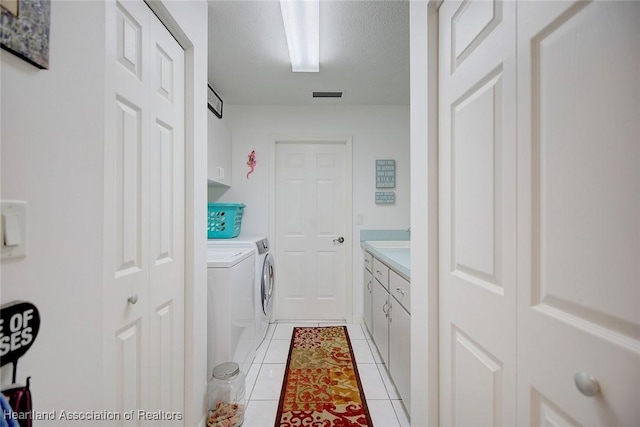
(255, 116)
(200, 228)
(106, 233)
(303, 169)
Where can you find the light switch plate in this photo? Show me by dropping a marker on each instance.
(19, 209)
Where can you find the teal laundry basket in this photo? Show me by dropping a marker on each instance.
(224, 220)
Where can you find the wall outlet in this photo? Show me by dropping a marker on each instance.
(359, 219)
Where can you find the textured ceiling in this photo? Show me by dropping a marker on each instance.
(364, 52)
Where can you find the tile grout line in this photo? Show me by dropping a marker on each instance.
(259, 369)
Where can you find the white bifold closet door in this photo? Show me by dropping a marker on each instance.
(578, 212)
(539, 206)
(144, 215)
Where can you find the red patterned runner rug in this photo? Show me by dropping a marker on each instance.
(321, 383)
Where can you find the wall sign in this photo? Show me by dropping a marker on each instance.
(385, 174)
(385, 197)
(19, 326)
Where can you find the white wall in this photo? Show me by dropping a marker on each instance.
(424, 214)
(378, 132)
(52, 156)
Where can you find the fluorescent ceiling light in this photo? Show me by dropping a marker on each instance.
(302, 28)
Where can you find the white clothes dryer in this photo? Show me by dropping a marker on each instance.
(231, 317)
(264, 278)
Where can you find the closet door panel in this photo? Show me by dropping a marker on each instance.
(477, 213)
(166, 220)
(126, 231)
(579, 204)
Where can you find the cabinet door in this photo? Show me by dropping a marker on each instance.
(368, 300)
(400, 351)
(219, 156)
(380, 320)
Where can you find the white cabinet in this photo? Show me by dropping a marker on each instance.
(387, 308)
(380, 320)
(219, 152)
(368, 300)
(400, 350)
(400, 335)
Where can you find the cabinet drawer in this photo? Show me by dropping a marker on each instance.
(368, 261)
(381, 273)
(400, 289)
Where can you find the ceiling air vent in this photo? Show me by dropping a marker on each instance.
(327, 94)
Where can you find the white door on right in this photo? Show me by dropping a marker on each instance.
(578, 212)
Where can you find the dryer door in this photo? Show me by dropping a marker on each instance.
(268, 279)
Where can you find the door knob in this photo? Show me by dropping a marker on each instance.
(133, 298)
(338, 240)
(587, 384)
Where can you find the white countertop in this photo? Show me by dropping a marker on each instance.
(396, 254)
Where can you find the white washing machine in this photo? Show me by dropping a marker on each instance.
(265, 286)
(264, 278)
(231, 316)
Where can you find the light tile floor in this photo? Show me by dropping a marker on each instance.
(264, 379)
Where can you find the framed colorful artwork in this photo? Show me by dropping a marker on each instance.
(25, 29)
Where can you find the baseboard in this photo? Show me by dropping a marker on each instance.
(356, 319)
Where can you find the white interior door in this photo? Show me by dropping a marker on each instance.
(578, 212)
(477, 213)
(144, 215)
(310, 215)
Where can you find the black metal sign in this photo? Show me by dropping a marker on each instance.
(19, 326)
